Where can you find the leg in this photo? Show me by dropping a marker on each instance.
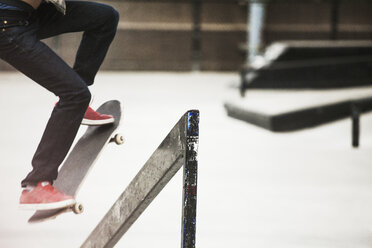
(97, 21)
(20, 48)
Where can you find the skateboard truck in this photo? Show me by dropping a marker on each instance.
(77, 208)
(118, 139)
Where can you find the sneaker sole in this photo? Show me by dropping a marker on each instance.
(48, 206)
(97, 122)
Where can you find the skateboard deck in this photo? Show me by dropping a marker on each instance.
(81, 159)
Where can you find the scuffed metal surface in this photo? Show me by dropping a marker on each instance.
(163, 164)
(190, 181)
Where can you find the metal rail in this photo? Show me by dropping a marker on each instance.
(178, 149)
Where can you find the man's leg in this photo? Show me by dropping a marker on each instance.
(97, 21)
(26, 53)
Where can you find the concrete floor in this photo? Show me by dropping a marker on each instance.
(255, 188)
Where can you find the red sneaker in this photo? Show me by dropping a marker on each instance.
(44, 196)
(93, 118)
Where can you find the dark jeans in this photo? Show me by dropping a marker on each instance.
(21, 47)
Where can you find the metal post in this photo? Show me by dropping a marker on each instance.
(196, 35)
(355, 114)
(334, 19)
(255, 24)
(190, 181)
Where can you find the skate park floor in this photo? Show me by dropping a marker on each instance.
(256, 188)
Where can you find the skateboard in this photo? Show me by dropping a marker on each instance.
(81, 159)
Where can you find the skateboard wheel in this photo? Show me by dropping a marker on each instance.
(78, 208)
(119, 139)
